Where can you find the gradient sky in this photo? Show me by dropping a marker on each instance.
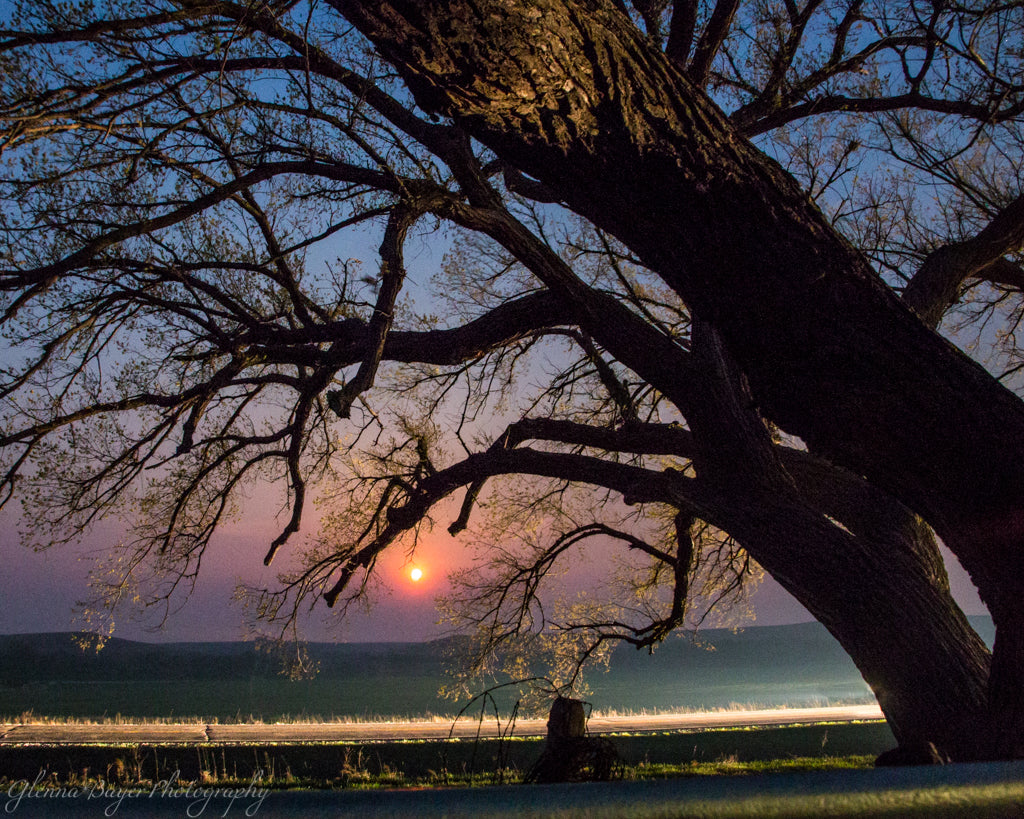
(38, 592)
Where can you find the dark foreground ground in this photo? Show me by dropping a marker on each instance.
(320, 779)
(123, 755)
(988, 790)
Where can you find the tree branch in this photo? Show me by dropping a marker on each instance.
(711, 41)
(392, 277)
(37, 280)
(681, 31)
(637, 485)
(936, 285)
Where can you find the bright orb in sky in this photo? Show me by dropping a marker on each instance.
(416, 575)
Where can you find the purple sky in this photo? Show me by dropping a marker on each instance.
(38, 592)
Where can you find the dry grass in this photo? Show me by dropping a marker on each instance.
(31, 718)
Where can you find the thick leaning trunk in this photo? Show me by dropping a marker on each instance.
(1006, 689)
(877, 581)
(927, 667)
(906, 635)
(885, 597)
(572, 94)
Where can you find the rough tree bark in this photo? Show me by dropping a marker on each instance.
(882, 591)
(571, 93)
(878, 583)
(864, 566)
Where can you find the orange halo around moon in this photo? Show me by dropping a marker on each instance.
(416, 575)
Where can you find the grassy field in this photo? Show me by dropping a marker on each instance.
(44, 677)
(450, 762)
(659, 777)
(805, 771)
(49, 676)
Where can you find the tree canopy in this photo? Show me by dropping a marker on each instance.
(695, 255)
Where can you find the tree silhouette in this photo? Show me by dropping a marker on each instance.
(697, 253)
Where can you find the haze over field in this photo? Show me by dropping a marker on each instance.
(47, 674)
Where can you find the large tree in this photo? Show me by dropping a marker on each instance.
(726, 343)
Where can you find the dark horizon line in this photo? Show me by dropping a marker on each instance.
(157, 642)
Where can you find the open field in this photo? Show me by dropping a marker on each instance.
(205, 716)
(434, 761)
(814, 770)
(378, 731)
(990, 791)
(48, 676)
(45, 676)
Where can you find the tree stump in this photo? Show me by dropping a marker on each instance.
(566, 720)
(569, 754)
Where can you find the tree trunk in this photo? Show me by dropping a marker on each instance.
(571, 93)
(569, 755)
(908, 638)
(926, 666)
(856, 559)
(1006, 689)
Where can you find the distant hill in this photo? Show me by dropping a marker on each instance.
(49, 675)
(57, 656)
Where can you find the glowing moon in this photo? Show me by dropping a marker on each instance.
(416, 575)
